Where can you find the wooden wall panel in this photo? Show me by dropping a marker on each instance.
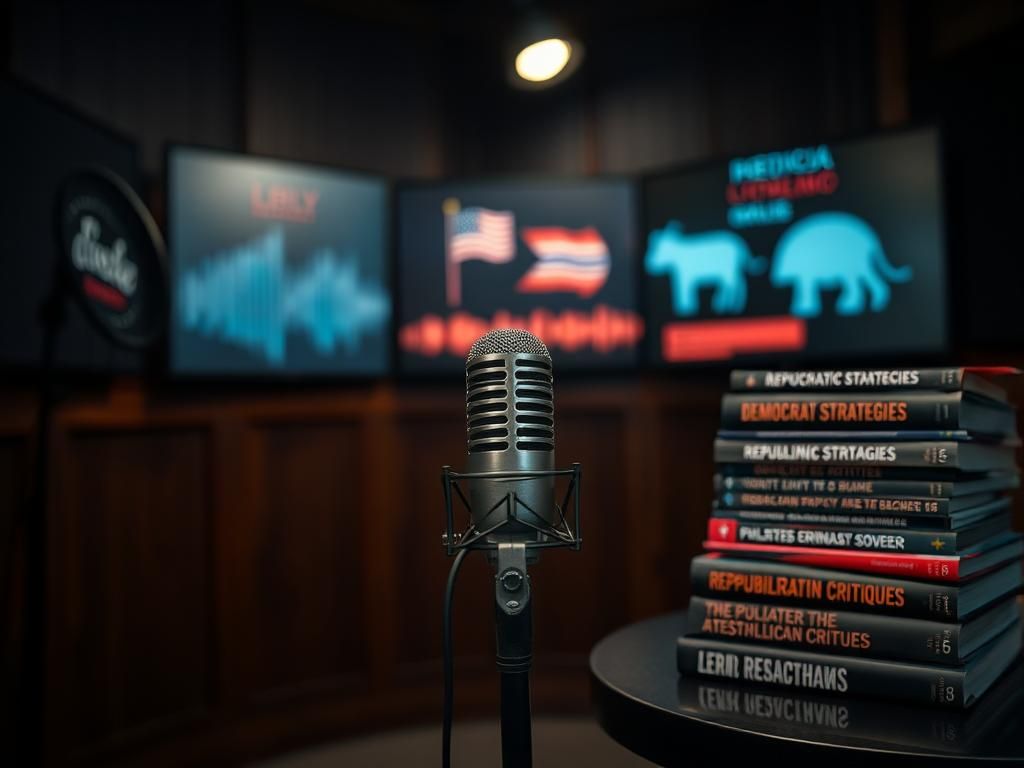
(685, 456)
(426, 443)
(592, 581)
(298, 588)
(14, 487)
(13, 478)
(240, 575)
(130, 581)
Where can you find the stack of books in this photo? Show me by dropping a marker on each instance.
(860, 542)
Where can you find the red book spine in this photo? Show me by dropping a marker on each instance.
(928, 567)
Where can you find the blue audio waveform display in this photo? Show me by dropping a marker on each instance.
(250, 297)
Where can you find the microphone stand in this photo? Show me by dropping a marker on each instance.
(513, 603)
(32, 677)
(513, 613)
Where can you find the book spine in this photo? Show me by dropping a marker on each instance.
(852, 504)
(893, 454)
(826, 631)
(760, 581)
(867, 540)
(943, 379)
(822, 485)
(927, 567)
(835, 471)
(922, 684)
(855, 520)
(941, 411)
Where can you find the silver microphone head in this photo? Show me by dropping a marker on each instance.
(507, 341)
(509, 394)
(510, 427)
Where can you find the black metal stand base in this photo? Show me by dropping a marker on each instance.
(516, 727)
(513, 613)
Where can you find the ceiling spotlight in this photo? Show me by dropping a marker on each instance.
(541, 52)
(543, 60)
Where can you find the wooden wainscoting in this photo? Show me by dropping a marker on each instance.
(237, 572)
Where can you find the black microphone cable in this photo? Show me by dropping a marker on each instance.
(446, 652)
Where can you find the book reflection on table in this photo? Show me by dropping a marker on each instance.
(862, 722)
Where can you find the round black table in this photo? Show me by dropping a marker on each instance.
(643, 703)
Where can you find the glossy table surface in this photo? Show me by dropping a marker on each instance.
(644, 704)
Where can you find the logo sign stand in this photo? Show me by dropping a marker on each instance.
(111, 258)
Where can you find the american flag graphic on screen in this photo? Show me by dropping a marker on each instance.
(476, 234)
(568, 261)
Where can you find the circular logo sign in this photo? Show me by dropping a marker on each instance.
(114, 257)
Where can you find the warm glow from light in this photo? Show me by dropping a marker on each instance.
(543, 60)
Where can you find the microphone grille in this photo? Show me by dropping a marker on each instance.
(507, 341)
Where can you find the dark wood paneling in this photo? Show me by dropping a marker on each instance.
(591, 581)
(427, 442)
(237, 576)
(13, 489)
(687, 468)
(130, 583)
(298, 588)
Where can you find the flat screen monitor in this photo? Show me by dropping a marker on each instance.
(818, 251)
(553, 257)
(277, 269)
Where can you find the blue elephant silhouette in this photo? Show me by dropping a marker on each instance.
(834, 250)
(719, 258)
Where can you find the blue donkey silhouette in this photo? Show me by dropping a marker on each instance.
(834, 250)
(719, 258)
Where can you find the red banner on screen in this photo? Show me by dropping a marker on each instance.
(603, 329)
(724, 339)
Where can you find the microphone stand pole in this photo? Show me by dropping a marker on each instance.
(513, 612)
(32, 677)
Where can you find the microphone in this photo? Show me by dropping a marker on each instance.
(510, 471)
(510, 427)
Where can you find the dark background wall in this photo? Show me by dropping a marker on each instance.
(309, 82)
(236, 570)
(413, 89)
